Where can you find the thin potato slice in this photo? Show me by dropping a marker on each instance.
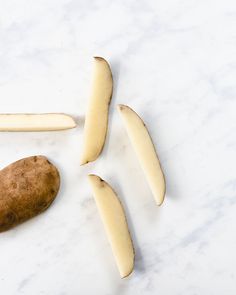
(36, 122)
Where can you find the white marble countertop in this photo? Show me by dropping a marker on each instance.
(174, 62)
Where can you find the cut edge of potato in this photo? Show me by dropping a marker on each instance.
(139, 136)
(119, 238)
(96, 119)
(36, 122)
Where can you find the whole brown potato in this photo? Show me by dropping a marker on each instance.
(27, 188)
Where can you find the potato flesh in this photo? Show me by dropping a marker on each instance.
(35, 122)
(113, 217)
(96, 120)
(145, 150)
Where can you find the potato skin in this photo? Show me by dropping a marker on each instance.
(27, 188)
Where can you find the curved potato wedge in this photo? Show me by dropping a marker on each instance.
(145, 150)
(96, 120)
(113, 217)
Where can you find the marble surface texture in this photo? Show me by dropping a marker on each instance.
(174, 62)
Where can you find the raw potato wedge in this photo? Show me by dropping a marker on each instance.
(145, 150)
(113, 217)
(96, 120)
(35, 122)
